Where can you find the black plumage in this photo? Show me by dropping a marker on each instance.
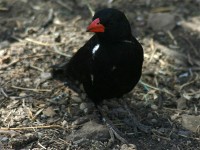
(110, 63)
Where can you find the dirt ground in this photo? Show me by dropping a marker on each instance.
(38, 112)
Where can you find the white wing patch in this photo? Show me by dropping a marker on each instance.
(127, 41)
(113, 68)
(92, 78)
(96, 47)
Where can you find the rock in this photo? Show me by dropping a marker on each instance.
(181, 103)
(45, 75)
(161, 21)
(190, 122)
(83, 106)
(91, 130)
(4, 44)
(49, 112)
(76, 99)
(154, 121)
(128, 147)
(154, 107)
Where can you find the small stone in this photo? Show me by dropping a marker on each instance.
(27, 79)
(45, 75)
(154, 121)
(181, 103)
(162, 21)
(45, 85)
(76, 99)
(154, 107)
(90, 130)
(64, 123)
(83, 95)
(40, 134)
(49, 112)
(25, 122)
(83, 106)
(4, 44)
(86, 110)
(190, 122)
(37, 81)
(149, 115)
(128, 147)
(22, 94)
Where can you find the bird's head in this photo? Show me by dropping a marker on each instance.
(110, 24)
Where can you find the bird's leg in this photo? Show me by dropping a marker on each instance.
(118, 134)
(136, 123)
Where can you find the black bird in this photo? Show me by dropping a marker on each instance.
(110, 63)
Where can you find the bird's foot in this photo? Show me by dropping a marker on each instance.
(114, 132)
(135, 123)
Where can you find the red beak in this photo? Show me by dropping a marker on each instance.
(95, 26)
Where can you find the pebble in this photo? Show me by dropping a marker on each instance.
(154, 107)
(86, 110)
(83, 106)
(4, 44)
(40, 134)
(77, 99)
(4, 139)
(149, 115)
(64, 123)
(161, 21)
(154, 121)
(27, 79)
(128, 147)
(45, 75)
(190, 122)
(22, 94)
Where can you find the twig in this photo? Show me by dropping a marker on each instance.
(90, 8)
(172, 37)
(191, 44)
(2, 91)
(63, 5)
(37, 68)
(41, 145)
(153, 49)
(188, 83)
(3, 9)
(59, 52)
(186, 69)
(41, 43)
(162, 137)
(35, 116)
(19, 59)
(155, 88)
(162, 9)
(10, 64)
(49, 19)
(194, 93)
(36, 127)
(173, 109)
(29, 89)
